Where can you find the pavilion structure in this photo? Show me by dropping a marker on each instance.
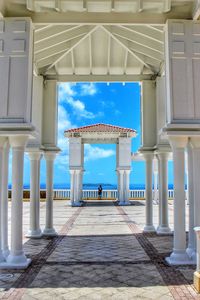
(100, 134)
(155, 42)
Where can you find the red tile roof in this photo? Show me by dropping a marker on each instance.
(100, 128)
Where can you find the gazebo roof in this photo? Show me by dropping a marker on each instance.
(100, 132)
(100, 127)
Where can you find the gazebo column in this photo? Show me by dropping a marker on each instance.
(49, 229)
(35, 231)
(148, 186)
(72, 182)
(195, 203)
(4, 199)
(120, 186)
(163, 187)
(155, 180)
(126, 186)
(191, 248)
(2, 143)
(17, 258)
(77, 187)
(179, 255)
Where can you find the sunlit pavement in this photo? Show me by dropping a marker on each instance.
(100, 253)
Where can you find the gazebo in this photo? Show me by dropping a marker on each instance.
(155, 42)
(100, 134)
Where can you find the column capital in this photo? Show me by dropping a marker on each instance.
(178, 141)
(18, 140)
(163, 155)
(35, 155)
(148, 155)
(195, 142)
(50, 155)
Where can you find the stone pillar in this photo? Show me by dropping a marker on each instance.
(126, 187)
(163, 201)
(2, 143)
(148, 186)
(49, 229)
(197, 272)
(72, 175)
(179, 255)
(4, 195)
(121, 187)
(191, 248)
(77, 185)
(17, 258)
(155, 184)
(34, 230)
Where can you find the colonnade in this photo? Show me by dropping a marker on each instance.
(183, 252)
(15, 257)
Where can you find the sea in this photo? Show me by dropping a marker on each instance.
(92, 186)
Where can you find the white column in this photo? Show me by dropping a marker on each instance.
(17, 258)
(77, 184)
(163, 201)
(126, 187)
(179, 255)
(72, 175)
(34, 230)
(121, 187)
(2, 143)
(49, 229)
(191, 248)
(195, 212)
(197, 272)
(4, 195)
(155, 177)
(149, 201)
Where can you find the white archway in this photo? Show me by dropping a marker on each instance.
(101, 134)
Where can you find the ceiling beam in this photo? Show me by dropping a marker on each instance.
(48, 61)
(51, 31)
(146, 31)
(72, 18)
(136, 38)
(99, 78)
(73, 45)
(124, 45)
(61, 38)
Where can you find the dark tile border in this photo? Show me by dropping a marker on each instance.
(179, 287)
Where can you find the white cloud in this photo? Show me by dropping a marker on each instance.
(79, 108)
(88, 89)
(94, 152)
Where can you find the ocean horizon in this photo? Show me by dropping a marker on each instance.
(91, 186)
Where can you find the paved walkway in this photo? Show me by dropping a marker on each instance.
(100, 253)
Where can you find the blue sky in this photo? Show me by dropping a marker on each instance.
(89, 103)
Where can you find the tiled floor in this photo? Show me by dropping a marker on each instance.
(100, 253)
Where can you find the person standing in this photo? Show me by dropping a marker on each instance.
(100, 189)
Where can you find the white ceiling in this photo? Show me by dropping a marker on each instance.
(67, 46)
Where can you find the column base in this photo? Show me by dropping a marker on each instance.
(196, 281)
(49, 232)
(149, 228)
(179, 258)
(163, 230)
(77, 204)
(34, 234)
(124, 203)
(18, 266)
(2, 257)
